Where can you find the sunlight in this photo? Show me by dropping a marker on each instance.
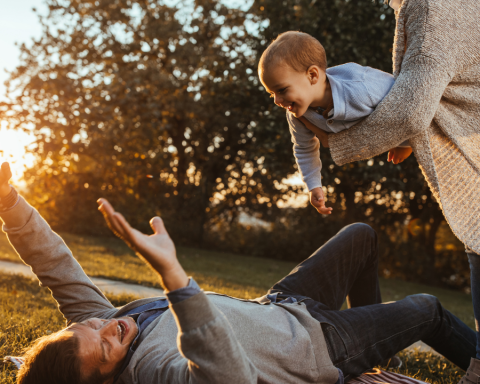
(12, 149)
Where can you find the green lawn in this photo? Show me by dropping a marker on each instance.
(28, 312)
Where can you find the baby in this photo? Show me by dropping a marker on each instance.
(320, 100)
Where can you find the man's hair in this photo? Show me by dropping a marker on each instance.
(54, 359)
(298, 50)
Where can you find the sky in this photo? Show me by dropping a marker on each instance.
(18, 24)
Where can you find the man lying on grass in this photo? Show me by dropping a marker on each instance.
(294, 334)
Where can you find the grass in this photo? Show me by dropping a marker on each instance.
(28, 312)
(428, 367)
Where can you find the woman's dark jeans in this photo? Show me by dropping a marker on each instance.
(474, 260)
(367, 333)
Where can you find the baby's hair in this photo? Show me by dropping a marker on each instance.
(298, 50)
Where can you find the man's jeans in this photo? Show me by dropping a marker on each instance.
(369, 332)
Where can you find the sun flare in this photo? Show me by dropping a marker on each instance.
(12, 149)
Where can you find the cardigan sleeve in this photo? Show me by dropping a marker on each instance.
(443, 39)
(406, 111)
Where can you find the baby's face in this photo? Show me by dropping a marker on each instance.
(290, 89)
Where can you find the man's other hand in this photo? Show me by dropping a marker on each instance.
(399, 154)
(317, 199)
(5, 176)
(157, 250)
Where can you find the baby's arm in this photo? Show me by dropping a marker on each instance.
(306, 150)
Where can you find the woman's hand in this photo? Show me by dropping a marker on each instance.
(157, 250)
(5, 176)
(322, 135)
(399, 154)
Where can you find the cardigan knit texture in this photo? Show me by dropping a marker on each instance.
(434, 103)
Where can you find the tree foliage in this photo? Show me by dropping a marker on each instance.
(157, 106)
(145, 102)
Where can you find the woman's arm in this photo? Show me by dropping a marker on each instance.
(443, 40)
(405, 112)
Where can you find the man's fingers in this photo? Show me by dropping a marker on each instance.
(122, 224)
(110, 217)
(6, 173)
(105, 206)
(6, 170)
(158, 226)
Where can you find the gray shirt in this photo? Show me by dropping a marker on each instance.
(205, 339)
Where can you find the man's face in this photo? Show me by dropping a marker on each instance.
(290, 89)
(104, 343)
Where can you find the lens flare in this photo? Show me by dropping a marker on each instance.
(12, 150)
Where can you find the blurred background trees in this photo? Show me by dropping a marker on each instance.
(156, 105)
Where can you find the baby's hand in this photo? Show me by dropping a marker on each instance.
(317, 199)
(398, 154)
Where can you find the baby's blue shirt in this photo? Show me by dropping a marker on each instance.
(356, 91)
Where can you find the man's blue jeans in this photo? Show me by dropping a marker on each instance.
(366, 334)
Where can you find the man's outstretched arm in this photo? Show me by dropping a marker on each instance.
(212, 353)
(49, 257)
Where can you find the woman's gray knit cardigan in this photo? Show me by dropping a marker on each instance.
(435, 102)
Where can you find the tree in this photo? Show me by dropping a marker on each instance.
(154, 104)
(141, 102)
(374, 191)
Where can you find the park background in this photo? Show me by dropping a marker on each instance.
(156, 105)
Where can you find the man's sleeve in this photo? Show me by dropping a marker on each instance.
(306, 149)
(53, 264)
(206, 340)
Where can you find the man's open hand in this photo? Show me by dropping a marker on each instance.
(317, 199)
(157, 250)
(322, 135)
(5, 176)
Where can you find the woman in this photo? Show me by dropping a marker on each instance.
(434, 103)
